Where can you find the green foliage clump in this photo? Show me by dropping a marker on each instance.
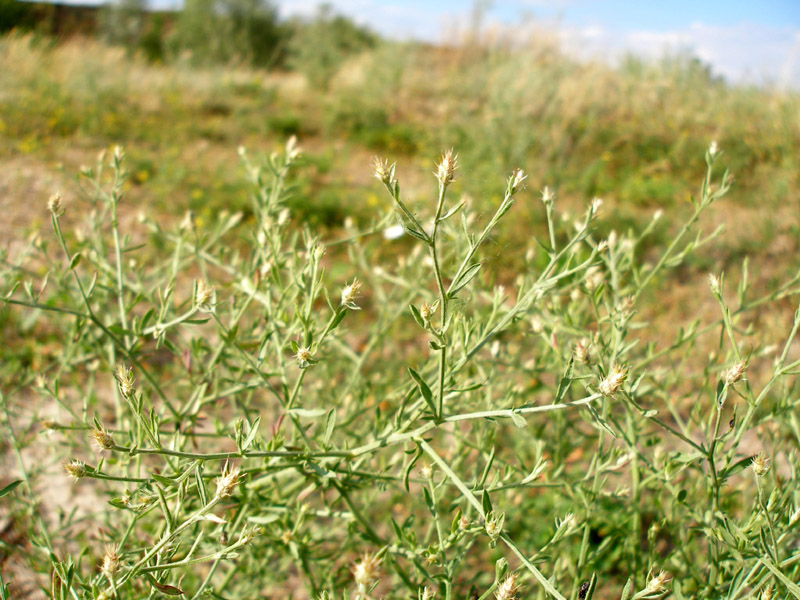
(320, 46)
(223, 31)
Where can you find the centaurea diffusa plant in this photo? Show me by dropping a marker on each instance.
(272, 413)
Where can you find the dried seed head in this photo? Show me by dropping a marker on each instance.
(766, 594)
(658, 583)
(508, 589)
(110, 561)
(463, 523)
(350, 293)
(227, 481)
(54, 204)
(365, 572)
(75, 468)
(735, 373)
(304, 357)
(596, 204)
(103, 439)
(613, 382)
(125, 380)
(119, 154)
(446, 169)
(382, 169)
(713, 283)
(759, 464)
(426, 471)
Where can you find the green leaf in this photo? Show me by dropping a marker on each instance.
(423, 388)
(330, 424)
(518, 420)
(265, 520)
(9, 488)
(76, 260)
(452, 211)
(308, 413)
(251, 436)
(793, 588)
(486, 502)
(338, 319)
(164, 480)
(468, 275)
(626, 591)
(417, 316)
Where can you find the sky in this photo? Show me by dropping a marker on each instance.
(746, 41)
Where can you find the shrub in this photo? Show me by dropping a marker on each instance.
(262, 410)
(319, 47)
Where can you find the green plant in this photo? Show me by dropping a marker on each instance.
(414, 434)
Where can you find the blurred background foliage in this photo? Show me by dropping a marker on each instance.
(181, 90)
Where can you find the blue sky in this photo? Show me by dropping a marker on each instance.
(753, 41)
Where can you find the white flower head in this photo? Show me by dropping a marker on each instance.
(613, 381)
(350, 293)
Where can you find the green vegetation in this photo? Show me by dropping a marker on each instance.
(297, 370)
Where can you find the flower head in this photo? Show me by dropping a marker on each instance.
(516, 179)
(759, 464)
(349, 294)
(658, 583)
(735, 373)
(613, 382)
(102, 438)
(75, 468)
(365, 572)
(125, 380)
(582, 351)
(548, 197)
(713, 283)
(227, 481)
(597, 203)
(494, 525)
(205, 295)
(508, 589)
(713, 148)
(383, 170)
(304, 357)
(426, 311)
(54, 204)
(110, 562)
(446, 169)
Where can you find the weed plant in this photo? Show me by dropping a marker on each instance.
(245, 424)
